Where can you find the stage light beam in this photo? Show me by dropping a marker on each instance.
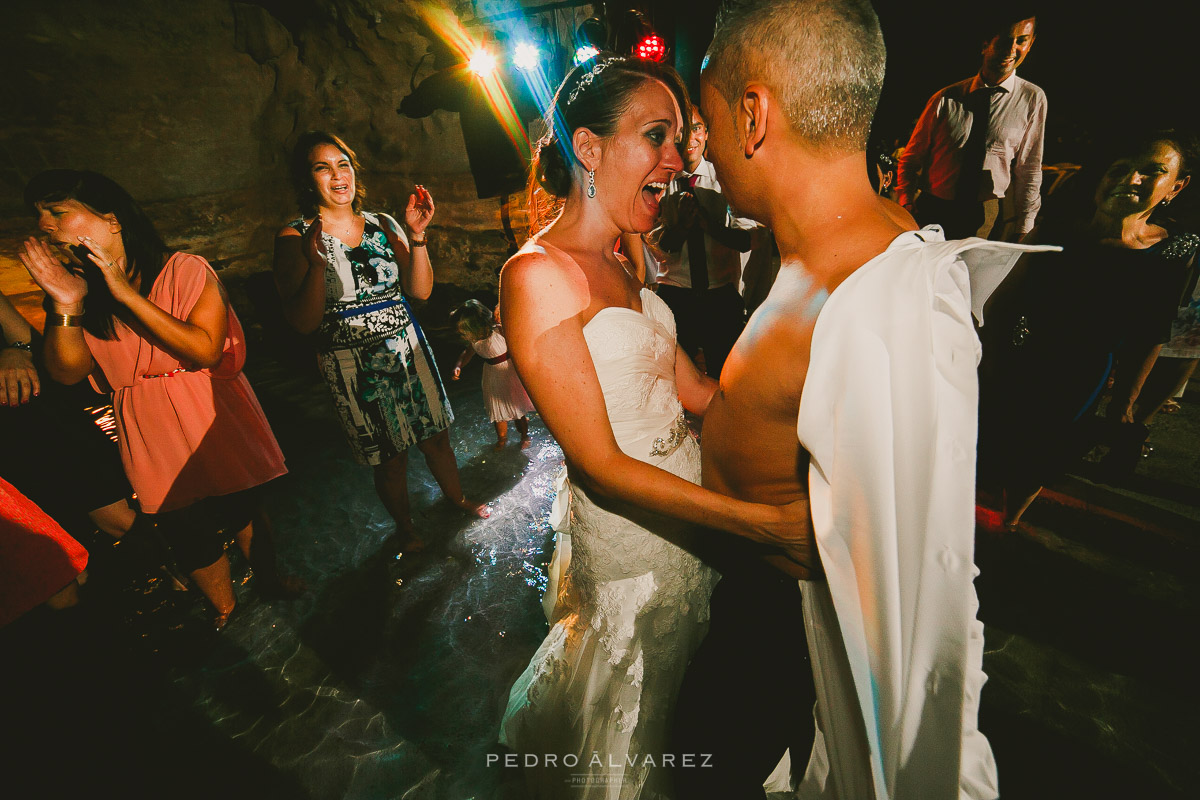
(488, 77)
(526, 57)
(482, 62)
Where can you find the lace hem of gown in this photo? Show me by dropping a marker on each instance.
(599, 694)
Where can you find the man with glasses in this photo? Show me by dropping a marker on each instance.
(703, 242)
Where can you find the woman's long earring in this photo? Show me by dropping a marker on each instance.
(591, 190)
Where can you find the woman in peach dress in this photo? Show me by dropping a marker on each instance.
(156, 329)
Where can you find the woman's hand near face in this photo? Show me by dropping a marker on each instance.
(113, 270)
(67, 357)
(419, 211)
(64, 288)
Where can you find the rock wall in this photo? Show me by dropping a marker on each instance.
(192, 106)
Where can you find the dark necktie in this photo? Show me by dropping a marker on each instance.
(697, 255)
(970, 171)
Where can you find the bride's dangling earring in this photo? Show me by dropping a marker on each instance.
(591, 183)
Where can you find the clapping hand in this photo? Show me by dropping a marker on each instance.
(687, 207)
(311, 244)
(62, 286)
(679, 210)
(113, 269)
(419, 211)
(688, 213)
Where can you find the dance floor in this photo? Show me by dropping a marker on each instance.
(388, 677)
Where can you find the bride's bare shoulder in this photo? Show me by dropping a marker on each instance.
(544, 269)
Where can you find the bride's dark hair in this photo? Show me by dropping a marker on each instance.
(598, 105)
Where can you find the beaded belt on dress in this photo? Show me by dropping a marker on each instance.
(167, 374)
(367, 309)
(500, 359)
(664, 446)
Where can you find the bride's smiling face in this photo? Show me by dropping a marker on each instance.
(640, 158)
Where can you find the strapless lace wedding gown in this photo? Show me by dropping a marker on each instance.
(593, 708)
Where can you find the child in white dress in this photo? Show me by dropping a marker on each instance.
(503, 393)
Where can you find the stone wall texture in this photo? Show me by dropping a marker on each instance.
(193, 105)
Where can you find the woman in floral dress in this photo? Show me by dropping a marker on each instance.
(344, 275)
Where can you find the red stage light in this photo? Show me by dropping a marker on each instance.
(651, 47)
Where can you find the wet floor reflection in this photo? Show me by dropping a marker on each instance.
(391, 673)
(389, 676)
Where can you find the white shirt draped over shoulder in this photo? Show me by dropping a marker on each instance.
(889, 417)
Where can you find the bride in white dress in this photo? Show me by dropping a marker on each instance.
(597, 352)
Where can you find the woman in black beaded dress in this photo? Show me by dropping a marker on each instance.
(1063, 321)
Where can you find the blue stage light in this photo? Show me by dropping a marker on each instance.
(526, 56)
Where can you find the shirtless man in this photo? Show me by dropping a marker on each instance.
(789, 88)
(783, 176)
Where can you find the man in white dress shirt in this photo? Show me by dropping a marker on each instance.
(978, 143)
(703, 242)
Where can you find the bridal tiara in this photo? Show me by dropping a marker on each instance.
(586, 80)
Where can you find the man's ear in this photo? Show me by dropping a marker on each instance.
(587, 148)
(753, 114)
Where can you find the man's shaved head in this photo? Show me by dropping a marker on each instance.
(824, 59)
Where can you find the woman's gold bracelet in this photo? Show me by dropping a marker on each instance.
(64, 320)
